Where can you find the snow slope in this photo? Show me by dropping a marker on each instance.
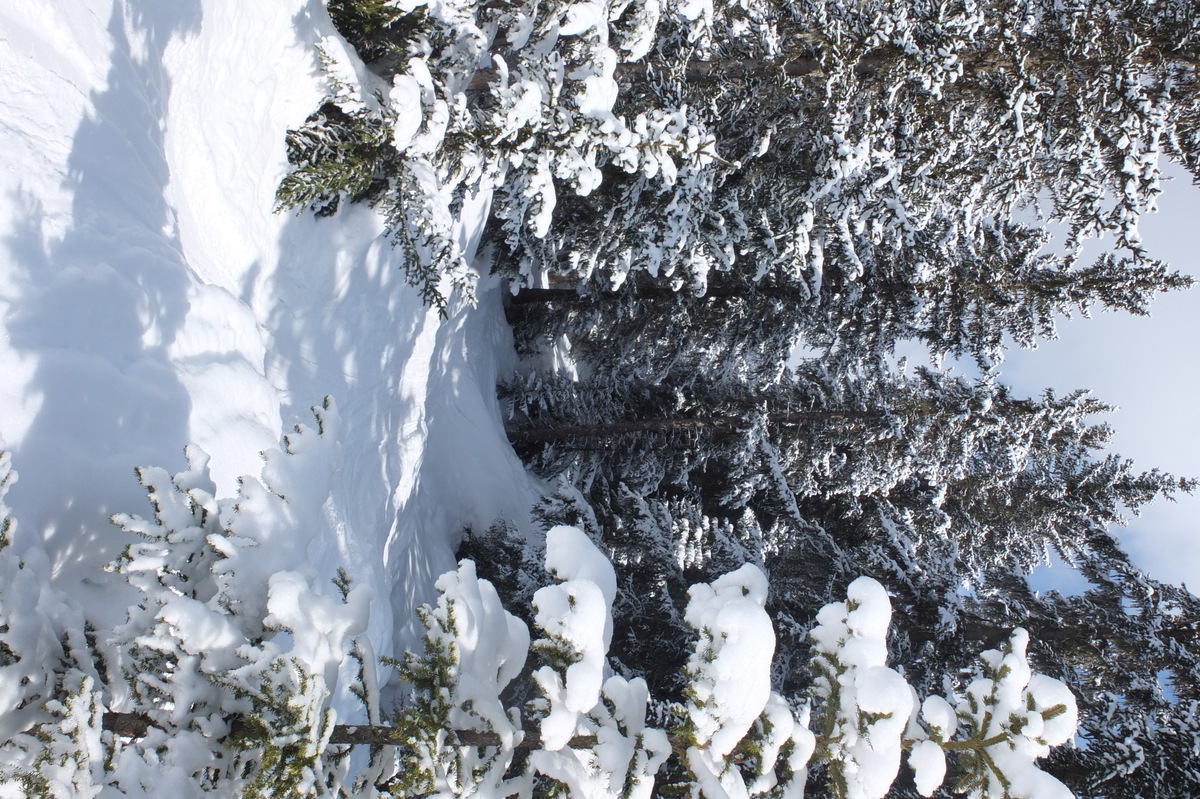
(150, 298)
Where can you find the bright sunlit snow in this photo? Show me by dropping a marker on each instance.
(151, 299)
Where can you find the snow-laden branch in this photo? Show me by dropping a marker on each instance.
(226, 703)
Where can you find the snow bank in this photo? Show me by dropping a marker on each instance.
(151, 299)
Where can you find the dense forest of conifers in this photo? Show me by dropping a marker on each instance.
(709, 284)
(718, 222)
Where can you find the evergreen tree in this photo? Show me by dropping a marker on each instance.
(1127, 646)
(51, 681)
(875, 157)
(926, 482)
(687, 194)
(419, 128)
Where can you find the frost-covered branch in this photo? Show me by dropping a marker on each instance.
(738, 737)
(412, 136)
(229, 689)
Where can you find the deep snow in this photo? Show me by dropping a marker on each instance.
(150, 299)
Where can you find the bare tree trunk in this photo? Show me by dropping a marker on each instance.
(136, 725)
(974, 62)
(718, 424)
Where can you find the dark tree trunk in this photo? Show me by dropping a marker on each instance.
(974, 62)
(717, 424)
(136, 725)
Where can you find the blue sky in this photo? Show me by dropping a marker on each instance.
(1150, 368)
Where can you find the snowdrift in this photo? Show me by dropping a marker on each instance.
(151, 299)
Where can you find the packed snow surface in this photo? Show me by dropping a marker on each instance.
(150, 298)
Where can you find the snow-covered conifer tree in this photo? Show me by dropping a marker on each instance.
(473, 649)
(730, 704)
(51, 691)
(458, 99)
(579, 696)
(882, 164)
(231, 654)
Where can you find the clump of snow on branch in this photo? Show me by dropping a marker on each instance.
(473, 649)
(491, 646)
(865, 706)
(730, 669)
(729, 689)
(548, 124)
(1016, 717)
(926, 757)
(319, 625)
(230, 626)
(575, 614)
(868, 713)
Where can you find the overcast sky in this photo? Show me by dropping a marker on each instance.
(1150, 367)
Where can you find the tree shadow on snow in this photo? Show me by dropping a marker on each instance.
(99, 308)
(423, 452)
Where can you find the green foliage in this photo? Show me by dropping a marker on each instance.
(69, 739)
(556, 653)
(342, 582)
(431, 256)
(341, 155)
(425, 722)
(826, 695)
(365, 24)
(282, 738)
(335, 155)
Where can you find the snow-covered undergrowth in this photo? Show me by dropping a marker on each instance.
(231, 681)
